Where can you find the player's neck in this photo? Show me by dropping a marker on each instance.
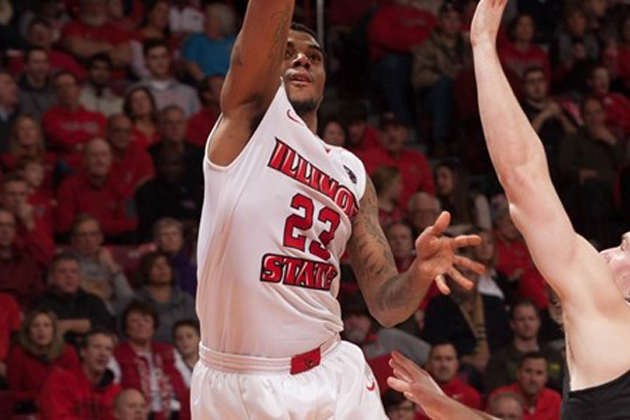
(310, 119)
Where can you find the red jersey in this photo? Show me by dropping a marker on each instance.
(519, 61)
(413, 167)
(66, 130)
(10, 320)
(199, 126)
(106, 203)
(132, 169)
(547, 405)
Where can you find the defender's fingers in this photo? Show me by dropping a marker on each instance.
(436, 230)
(460, 279)
(440, 281)
(466, 240)
(469, 264)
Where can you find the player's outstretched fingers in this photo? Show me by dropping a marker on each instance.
(440, 281)
(460, 279)
(462, 241)
(436, 230)
(410, 367)
(467, 263)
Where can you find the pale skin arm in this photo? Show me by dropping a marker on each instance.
(392, 297)
(419, 387)
(254, 75)
(594, 310)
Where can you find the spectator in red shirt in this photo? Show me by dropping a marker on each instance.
(617, 106)
(521, 53)
(34, 229)
(93, 33)
(132, 166)
(95, 191)
(141, 109)
(200, 124)
(20, 274)
(68, 125)
(413, 165)
(26, 143)
(540, 403)
(40, 34)
(443, 365)
(388, 185)
(394, 32)
(362, 136)
(130, 405)
(86, 392)
(10, 322)
(39, 351)
(141, 359)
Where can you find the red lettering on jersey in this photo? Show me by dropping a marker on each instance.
(297, 272)
(286, 160)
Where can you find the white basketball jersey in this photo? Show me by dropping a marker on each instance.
(274, 225)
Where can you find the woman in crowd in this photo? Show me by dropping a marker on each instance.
(160, 291)
(141, 109)
(467, 208)
(521, 52)
(186, 335)
(388, 185)
(149, 366)
(40, 349)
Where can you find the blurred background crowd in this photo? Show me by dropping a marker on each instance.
(105, 108)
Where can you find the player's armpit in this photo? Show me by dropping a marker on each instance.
(389, 295)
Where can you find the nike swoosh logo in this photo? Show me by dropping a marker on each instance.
(292, 118)
(372, 386)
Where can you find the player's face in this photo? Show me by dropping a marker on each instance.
(618, 260)
(443, 364)
(525, 322)
(41, 331)
(532, 376)
(303, 72)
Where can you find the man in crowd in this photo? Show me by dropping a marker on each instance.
(96, 192)
(200, 124)
(36, 92)
(130, 405)
(96, 95)
(506, 406)
(165, 88)
(541, 403)
(77, 310)
(503, 365)
(443, 365)
(423, 210)
(101, 275)
(87, 392)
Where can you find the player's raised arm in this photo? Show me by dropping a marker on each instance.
(519, 159)
(392, 297)
(253, 77)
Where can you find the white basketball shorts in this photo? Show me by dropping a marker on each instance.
(341, 386)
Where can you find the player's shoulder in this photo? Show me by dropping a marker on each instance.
(353, 166)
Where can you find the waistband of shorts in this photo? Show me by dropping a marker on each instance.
(236, 363)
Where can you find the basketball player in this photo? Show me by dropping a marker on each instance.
(280, 206)
(591, 286)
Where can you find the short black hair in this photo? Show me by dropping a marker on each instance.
(192, 323)
(300, 27)
(60, 257)
(137, 306)
(99, 57)
(85, 340)
(441, 343)
(392, 399)
(152, 43)
(523, 302)
(535, 355)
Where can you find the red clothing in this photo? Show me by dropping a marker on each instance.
(387, 217)
(413, 167)
(368, 140)
(22, 278)
(69, 395)
(65, 130)
(397, 28)
(10, 163)
(142, 140)
(27, 374)
(519, 61)
(547, 405)
(43, 208)
(349, 13)
(59, 61)
(130, 171)
(107, 203)
(617, 109)
(512, 256)
(199, 126)
(623, 64)
(135, 374)
(39, 241)
(10, 320)
(461, 392)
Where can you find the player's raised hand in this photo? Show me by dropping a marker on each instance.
(486, 22)
(437, 255)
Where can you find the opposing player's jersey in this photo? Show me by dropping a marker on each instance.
(274, 225)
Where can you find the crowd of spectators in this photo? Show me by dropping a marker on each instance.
(105, 108)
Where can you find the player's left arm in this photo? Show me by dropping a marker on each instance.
(392, 297)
